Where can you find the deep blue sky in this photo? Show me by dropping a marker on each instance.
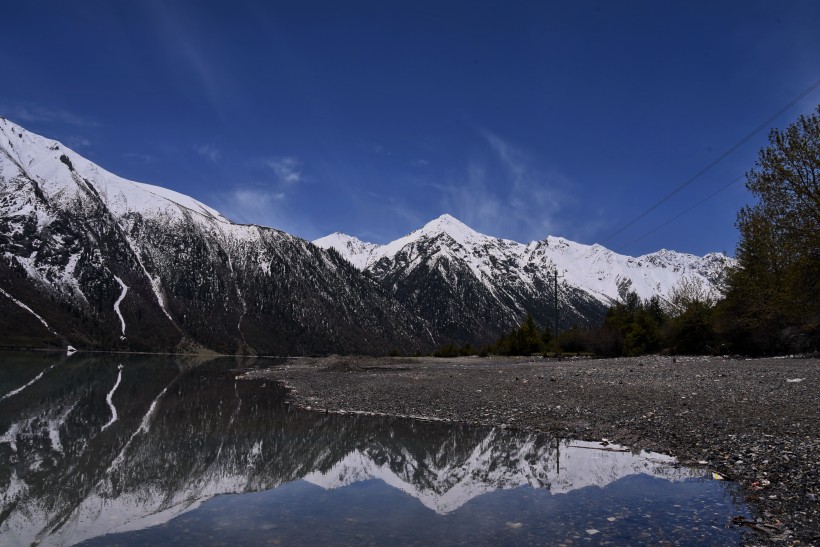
(522, 119)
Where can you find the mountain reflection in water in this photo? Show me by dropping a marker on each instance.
(91, 446)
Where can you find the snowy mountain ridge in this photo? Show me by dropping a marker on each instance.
(592, 268)
(527, 462)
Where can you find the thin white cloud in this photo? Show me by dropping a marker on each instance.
(288, 170)
(372, 148)
(269, 202)
(32, 113)
(208, 151)
(265, 207)
(140, 157)
(188, 46)
(507, 194)
(475, 203)
(512, 158)
(253, 200)
(77, 142)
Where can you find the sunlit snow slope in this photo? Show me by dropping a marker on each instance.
(592, 268)
(95, 260)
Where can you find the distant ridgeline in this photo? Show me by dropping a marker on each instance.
(97, 261)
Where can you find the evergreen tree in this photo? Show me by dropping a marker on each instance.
(526, 340)
(773, 299)
(635, 325)
(690, 328)
(692, 331)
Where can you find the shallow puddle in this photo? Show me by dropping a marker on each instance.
(136, 450)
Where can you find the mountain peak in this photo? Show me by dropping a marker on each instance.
(357, 252)
(446, 221)
(450, 225)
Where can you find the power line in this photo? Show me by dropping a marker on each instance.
(656, 228)
(691, 180)
(671, 220)
(714, 162)
(676, 217)
(567, 272)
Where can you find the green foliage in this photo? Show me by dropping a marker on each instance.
(693, 331)
(637, 324)
(452, 350)
(528, 339)
(772, 302)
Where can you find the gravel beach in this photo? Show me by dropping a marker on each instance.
(753, 421)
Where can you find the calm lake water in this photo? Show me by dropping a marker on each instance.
(127, 450)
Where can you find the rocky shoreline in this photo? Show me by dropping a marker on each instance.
(755, 421)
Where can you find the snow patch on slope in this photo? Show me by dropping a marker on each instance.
(14, 392)
(110, 400)
(117, 305)
(359, 253)
(145, 426)
(156, 284)
(32, 312)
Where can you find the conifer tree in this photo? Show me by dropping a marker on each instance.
(773, 298)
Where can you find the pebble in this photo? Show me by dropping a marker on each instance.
(772, 437)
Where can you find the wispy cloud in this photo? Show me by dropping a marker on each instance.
(507, 193)
(32, 113)
(263, 206)
(140, 157)
(77, 142)
(288, 170)
(208, 151)
(249, 201)
(372, 148)
(191, 52)
(269, 202)
(475, 203)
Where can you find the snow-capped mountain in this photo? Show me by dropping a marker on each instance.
(90, 259)
(457, 277)
(359, 253)
(498, 463)
(94, 260)
(68, 472)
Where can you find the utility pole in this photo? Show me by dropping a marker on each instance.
(555, 272)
